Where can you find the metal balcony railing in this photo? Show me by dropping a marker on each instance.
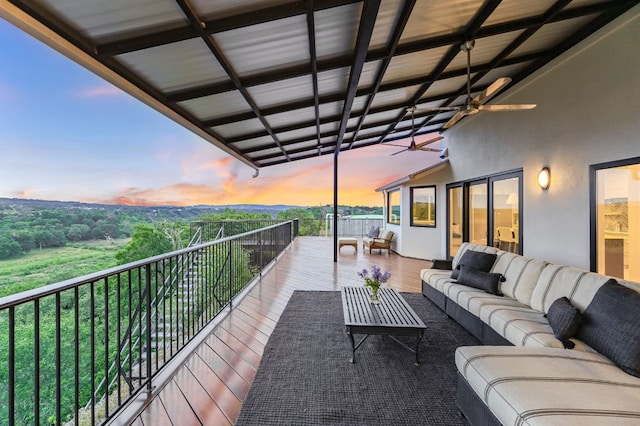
(347, 227)
(210, 230)
(79, 350)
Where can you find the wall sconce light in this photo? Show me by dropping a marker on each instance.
(544, 178)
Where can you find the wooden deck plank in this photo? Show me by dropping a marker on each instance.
(234, 381)
(239, 365)
(177, 406)
(155, 414)
(200, 401)
(255, 345)
(215, 387)
(248, 354)
(221, 370)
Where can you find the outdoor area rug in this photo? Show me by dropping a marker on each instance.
(305, 377)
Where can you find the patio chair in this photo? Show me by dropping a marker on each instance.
(382, 241)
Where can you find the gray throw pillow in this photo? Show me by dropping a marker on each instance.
(564, 320)
(476, 259)
(610, 325)
(487, 281)
(373, 232)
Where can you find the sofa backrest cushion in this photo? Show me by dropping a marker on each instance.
(470, 246)
(610, 325)
(556, 281)
(521, 275)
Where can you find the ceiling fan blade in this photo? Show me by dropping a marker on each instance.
(403, 150)
(453, 120)
(494, 88)
(433, 109)
(517, 107)
(429, 149)
(393, 144)
(430, 141)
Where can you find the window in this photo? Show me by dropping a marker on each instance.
(486, 211)
(423, 206)
(478, 212)
(393, 207)
(455, 214)
(615, 219)
(506, 214)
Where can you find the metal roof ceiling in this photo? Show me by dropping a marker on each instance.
(277, 81)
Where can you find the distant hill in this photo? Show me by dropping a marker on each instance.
(182, 212)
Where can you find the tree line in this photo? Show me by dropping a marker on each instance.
(25, 228)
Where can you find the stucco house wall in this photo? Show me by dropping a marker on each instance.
(588, 112)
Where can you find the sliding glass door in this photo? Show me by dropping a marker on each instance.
(506, 213)
(486, 211)
(615, 219)
(455, 213)
(478, 212)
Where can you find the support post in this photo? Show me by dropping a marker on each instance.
(335, 206)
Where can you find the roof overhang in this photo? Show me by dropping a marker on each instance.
(414, 176)
(275, 81)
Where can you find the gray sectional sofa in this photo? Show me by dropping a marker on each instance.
(523, 375)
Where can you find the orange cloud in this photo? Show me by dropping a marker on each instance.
(305, 183)
(26, 193)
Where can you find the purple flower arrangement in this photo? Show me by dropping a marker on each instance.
(375, 279)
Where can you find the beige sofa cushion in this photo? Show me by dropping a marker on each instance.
(556, 281)
(521, 275)
(548, 386)
(436, 278)
(523, 326)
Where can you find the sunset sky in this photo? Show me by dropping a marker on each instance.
(66, 134)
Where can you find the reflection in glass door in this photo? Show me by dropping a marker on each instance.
(615, 203)
(455, 219)
(506, 214)
(478, 213)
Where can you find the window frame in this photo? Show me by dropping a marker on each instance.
(489, 180)
(390, 207)
(411, 204)
(593, 204)
(463, 228)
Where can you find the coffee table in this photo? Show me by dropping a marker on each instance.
(392, 316)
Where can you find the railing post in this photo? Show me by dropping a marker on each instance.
(230, 275)
(296, 227)
(147, 296)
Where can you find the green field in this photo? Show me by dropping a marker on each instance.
(52, 265)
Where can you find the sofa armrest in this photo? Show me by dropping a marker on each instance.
(442, 264)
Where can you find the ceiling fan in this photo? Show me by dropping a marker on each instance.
(413, 146)
(475, 105)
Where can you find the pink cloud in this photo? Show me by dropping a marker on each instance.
(99, 92)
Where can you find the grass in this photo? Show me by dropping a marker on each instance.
(51, 265)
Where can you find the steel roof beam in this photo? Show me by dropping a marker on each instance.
(405, 14)
(470, 31)
(228, 23)
(365, 30)
(378, 54)
(311, 31)
(336, 97)
(188, 10)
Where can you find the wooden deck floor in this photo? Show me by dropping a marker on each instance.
(211, 384)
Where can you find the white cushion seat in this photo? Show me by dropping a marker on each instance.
(550, 386)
